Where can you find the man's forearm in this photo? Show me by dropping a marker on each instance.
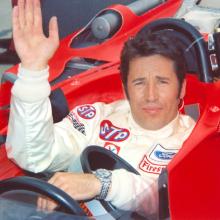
(30, 113)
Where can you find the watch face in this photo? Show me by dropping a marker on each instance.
(103, 173)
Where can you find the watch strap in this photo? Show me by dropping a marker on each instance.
(105, 177)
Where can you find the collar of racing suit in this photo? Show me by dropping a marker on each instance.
(163, 132)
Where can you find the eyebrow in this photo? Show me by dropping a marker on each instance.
(138, 79)
(163, 78)
(157, 77)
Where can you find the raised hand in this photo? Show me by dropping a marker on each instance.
(32, 46)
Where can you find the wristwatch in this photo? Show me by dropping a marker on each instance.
(105, 177)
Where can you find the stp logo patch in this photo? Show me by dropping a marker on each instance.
(109, 132)
(86, 111)
(112, 147)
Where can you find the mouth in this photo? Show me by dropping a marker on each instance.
(152, 109)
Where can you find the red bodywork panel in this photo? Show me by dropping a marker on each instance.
(8, 168)
(193, 175)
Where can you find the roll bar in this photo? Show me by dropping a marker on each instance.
(193, 35)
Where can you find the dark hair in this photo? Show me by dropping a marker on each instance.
(156, 43)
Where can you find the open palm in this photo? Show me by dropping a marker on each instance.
(32, 46)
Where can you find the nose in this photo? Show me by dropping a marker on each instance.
(151, 92)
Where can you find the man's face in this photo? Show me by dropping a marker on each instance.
(153, 91)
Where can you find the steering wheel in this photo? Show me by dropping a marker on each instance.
(67, 203)
(107, 160)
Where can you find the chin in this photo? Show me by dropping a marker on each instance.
(152, 125)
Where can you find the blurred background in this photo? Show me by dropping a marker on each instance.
(5, 27)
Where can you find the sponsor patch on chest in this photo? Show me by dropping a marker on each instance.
(86, 111)
(109, 132)
(112, 147)
(160, 154)
(149, 167)
(76, 123)
(157, 159)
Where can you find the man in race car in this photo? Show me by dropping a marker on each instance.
(142, 129)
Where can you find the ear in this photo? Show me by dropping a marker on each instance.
(183, 90)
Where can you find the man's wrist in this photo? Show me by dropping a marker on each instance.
(105, 178)
(26, 73)
(34, 66)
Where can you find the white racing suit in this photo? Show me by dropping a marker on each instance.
(36, 144)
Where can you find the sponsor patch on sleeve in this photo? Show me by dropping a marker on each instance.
(76, 123)
(86, 111)
(109, 132)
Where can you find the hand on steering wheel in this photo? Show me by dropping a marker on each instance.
(39, 186)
